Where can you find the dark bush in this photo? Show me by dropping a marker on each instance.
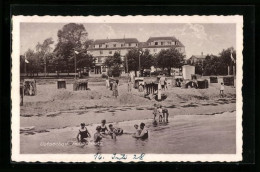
(115, 72)
(104, 75)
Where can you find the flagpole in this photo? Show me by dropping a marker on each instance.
(25, 65)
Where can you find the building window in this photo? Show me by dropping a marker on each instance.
(101, 52)
(122, 45)
(106, 46)
(169, 42)
(114, 45)
(156, 43)
(110, 52)
(136, 44)
(154, 50)
(100, 45)
(161, 43)
(119, 51)
(99, 60)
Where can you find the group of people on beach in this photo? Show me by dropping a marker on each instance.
(102, 131)
(160, 112)
(112, 86)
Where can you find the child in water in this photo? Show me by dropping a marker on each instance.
(138, 132)
(83, 134)
(160, 113)
(114, 131)
(103, 127)
(165, 114)
(98, 136)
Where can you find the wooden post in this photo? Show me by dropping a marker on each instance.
(228, 70)
(234, 70)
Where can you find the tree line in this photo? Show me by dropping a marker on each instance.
(72, 44)
(216, 64)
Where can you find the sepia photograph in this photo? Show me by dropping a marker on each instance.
(129, 89)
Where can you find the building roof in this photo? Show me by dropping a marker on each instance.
(198, 56)
(170, 38)
(125, 40)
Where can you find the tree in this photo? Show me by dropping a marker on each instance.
(218, 65)
(70, 38)
(43, 52)
(147, 60)
(114, 60)
(33, 64)
(84, 59)
(113, 63)
(132, 58)
(166, 59)
(226, 60)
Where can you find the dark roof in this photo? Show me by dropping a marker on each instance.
(110, 48)
(125, 40)
(142, 44)
(198, 56)
(161, 46)
(170, 38)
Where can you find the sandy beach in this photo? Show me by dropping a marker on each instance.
(53, 110)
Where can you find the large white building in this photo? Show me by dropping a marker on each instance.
(156, 44)
(102, 48)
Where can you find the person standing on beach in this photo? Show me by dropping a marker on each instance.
(162, 81)
(222, 89)
(155, 111)
(107, 82)
(159, 95)
(129, 83)
(115, 89)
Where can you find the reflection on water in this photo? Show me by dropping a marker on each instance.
(183, 134)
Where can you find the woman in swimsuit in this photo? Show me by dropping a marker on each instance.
(83, 134)
(103, 127)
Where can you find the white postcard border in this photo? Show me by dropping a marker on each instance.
(15, 98)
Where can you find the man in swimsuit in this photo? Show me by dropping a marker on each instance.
(144, 132)
(114, 131)
(103, 127)
(83, 134)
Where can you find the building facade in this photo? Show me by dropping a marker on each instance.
(196, 59)
(102, 48)
(156, 44)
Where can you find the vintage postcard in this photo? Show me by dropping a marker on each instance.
(127, 88)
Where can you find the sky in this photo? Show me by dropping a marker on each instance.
(197, 38)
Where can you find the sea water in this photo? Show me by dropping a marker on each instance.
(183, 134)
